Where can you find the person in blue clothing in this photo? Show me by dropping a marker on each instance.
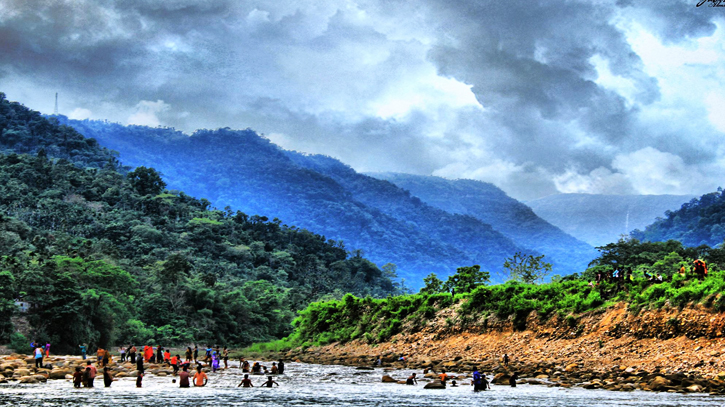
(476, 379)
(207, 357)
(479, 381)
(83, 351)
(39, 356)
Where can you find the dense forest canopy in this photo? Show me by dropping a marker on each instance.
(108, 255)
(698, 222)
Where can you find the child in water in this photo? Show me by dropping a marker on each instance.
(77, 377)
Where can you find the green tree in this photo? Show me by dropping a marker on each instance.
(7, 304)
(467, 279)
(433, 285)
(146, 181)
(529, 269)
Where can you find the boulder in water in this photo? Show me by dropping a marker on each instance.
(501, 378)
(388, 379)
(28, 380)
(58, 374)
(435, 385)
(659, 383)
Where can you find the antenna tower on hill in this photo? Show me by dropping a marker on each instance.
(55, 111)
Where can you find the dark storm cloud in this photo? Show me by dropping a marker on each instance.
(530, 65)
(357, 80)
(675, 20)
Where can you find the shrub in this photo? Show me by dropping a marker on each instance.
(19, 343)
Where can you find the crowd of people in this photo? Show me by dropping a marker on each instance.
(621, 276)
(182, 366)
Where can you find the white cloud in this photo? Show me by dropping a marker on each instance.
(651, 171)
(599, 181)
(146, 113)
(80, 113)
(646, 171)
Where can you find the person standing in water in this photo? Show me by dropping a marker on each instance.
(269, 382)
(246, 382)
(225, 353)
(139, 364)
(184, 378)
(92, 371)
(477, 384)
(411, 380)
(87, 377)
(280, 366)
(107, 379)
(513, 378)
(196, 354)
(484, 382)
(200, 378)
(77, 377)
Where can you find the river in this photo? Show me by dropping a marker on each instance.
(317, 385)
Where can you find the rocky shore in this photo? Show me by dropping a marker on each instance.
(21, 368)
(661, 350)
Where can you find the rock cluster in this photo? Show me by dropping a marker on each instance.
(615, 378)
(22, 369)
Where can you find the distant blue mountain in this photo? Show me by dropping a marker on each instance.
(240, 169)
(602, 219)
(491, 205)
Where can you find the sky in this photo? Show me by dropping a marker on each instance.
(536, 97)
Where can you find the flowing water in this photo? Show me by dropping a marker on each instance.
(316, 385)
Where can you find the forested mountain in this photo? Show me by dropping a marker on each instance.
(698, 222)
(602, 219)
(491, 205)
(242, 170)
(105, 254)
(467, 233)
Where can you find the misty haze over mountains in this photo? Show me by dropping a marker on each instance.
(602, 219)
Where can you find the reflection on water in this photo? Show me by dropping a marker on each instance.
(315, 385)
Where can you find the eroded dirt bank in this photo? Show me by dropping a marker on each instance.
(663, 350)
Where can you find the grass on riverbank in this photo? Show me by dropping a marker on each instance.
(377, 320)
